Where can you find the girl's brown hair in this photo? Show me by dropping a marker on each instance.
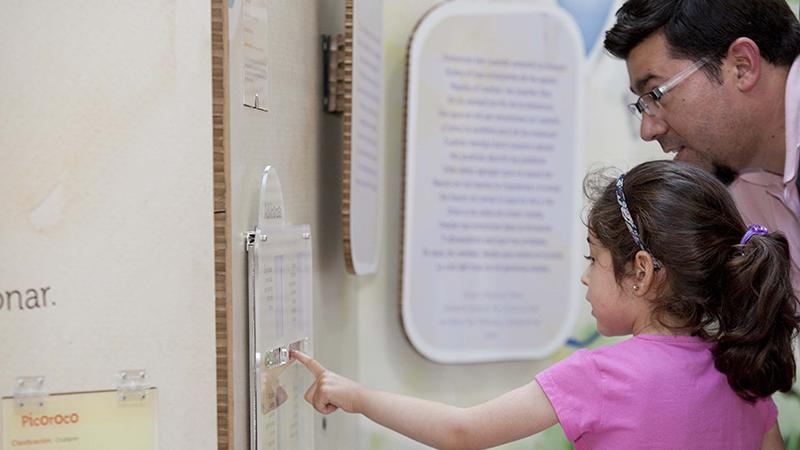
(738, 296)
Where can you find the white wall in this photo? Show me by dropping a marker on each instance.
(106, 198)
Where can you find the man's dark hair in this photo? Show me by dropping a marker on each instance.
(706, 28)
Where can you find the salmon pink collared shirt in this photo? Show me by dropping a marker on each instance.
(653, 392)
(772, 200)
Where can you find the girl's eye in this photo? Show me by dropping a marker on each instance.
(589, 258)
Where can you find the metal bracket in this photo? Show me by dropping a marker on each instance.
(29, 391)
(249, 240)
(281, 355)
(276, 357)
(132, 385)
(333, 73)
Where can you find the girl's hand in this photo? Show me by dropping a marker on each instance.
(329, 391)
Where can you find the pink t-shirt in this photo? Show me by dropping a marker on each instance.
(652, 392)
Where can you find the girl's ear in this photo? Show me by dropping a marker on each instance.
(644, 279)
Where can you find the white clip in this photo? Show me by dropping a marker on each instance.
(29, 392)
(132, 385)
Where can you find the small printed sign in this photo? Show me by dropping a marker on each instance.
(82, 421)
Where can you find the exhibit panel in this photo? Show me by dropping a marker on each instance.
(492, 231)
(280, 320)
(363, 167)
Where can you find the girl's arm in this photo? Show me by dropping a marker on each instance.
(772, 439)
(514, 415)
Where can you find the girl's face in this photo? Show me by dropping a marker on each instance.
(613, 306)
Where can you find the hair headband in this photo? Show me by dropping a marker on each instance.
(626, 216)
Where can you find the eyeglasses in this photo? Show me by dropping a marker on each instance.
(649, 102)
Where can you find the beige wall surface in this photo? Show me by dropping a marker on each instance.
(303, 146)
(106, 200)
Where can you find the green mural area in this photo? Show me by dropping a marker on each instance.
(789, 416)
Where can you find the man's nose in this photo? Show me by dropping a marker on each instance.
(652, 127)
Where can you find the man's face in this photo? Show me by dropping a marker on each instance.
(696, 120)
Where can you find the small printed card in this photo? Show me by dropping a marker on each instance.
(82, 421)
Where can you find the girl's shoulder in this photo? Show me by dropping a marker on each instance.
(653, 350)
(647, 342)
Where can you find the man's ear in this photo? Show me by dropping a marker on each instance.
(644, 279)
(744, 63)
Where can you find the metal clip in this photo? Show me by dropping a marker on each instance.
(275, 357)
(280, 356)
(333, 73)
(132, 385)
(249, 240)
(298, 346)
(29, 392)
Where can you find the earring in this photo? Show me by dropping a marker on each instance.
(635, 287)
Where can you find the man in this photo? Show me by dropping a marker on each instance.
(719, 86)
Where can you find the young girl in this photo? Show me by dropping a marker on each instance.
(712, 313)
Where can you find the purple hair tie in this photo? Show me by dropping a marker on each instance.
(752, 230)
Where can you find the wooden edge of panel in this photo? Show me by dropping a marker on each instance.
(347, 138)
(222, 224)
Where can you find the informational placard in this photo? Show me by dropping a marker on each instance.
(280, 319)
(82, 421)
(363, 137)
(282, 286)
(254, 43)
(492, 233)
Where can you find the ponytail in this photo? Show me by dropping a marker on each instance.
(757, 318)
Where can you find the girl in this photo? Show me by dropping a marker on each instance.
(711, 310)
